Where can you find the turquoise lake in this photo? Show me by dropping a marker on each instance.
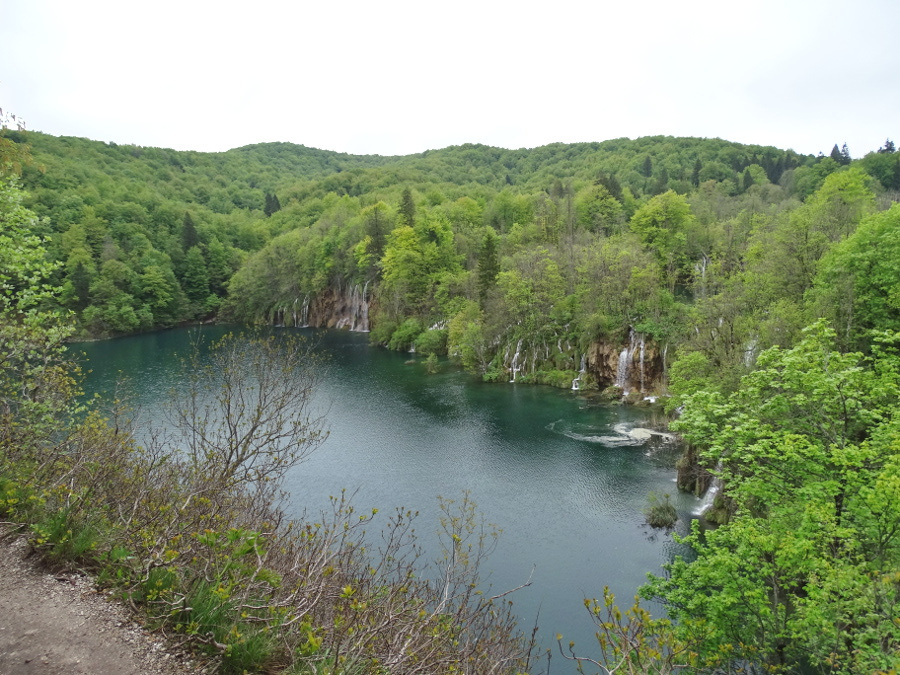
(565, 478)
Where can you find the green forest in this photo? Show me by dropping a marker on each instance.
(763, 286)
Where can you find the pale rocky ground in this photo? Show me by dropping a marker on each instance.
(61, 624)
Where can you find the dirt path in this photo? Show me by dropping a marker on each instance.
(59, 624)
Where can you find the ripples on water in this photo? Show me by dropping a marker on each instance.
(565, 479)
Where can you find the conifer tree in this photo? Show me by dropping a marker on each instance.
(746, 180)
(611, 183)
(836, 154)
(695, 175)
(272, 204)
(189, 235)
(407, 211)
(845, 155)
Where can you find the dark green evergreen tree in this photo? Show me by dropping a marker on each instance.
(695, 174)
(378, 225)
(662, 182)
(836, 154)
(189, 235)
(407, 211)
(746, 180)
(611, 183)
(272, 204)
(845, 155)
(647, 166)
(888, 147)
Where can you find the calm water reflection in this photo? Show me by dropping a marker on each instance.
(561, 476)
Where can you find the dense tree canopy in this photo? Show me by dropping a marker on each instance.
(765, 282)
(805, 571)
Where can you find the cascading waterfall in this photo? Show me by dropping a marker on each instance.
(292, 317)
(356, 318)
(364, 325)
(637, 343)
(304, 313)
(710, 497)
(515, 367)
(576, 383)
(624, 360)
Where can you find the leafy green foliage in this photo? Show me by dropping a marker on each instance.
(630, 642)
(858, 283)
(802, 574)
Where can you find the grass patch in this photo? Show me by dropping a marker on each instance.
(659, 513)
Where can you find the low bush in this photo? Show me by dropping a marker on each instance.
(660, 513)
(187, 527)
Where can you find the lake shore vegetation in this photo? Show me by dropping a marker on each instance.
(763, 283)
(186, 526)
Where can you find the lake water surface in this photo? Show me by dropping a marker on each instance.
(565, 479)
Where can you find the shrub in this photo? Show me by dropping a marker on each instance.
(660, 514)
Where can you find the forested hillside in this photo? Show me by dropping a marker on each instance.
(536, 265)
(757, 288)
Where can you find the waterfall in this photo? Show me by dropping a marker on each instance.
(514, 366)
(576, 383)
(304, 313)
(665, 368)
(710, 497)
(625, 358)
(636, 343)
(364, 300)
(622, 369)
(356, 317)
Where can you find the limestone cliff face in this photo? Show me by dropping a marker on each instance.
(635, 367)
(346, 308)
(341, 308)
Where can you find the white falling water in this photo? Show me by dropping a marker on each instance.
(624, 361)
(622, 369)
(304, 313)
(514, 366)
(576, 383)
(364, 318)
(665, 370)
(356, 318)
(710, 497)
(636, 343)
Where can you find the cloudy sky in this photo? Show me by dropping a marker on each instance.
(397, 77)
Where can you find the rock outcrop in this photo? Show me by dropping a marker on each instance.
(346, 308)
(636, 367)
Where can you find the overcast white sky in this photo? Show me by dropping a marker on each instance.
(398, 77)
